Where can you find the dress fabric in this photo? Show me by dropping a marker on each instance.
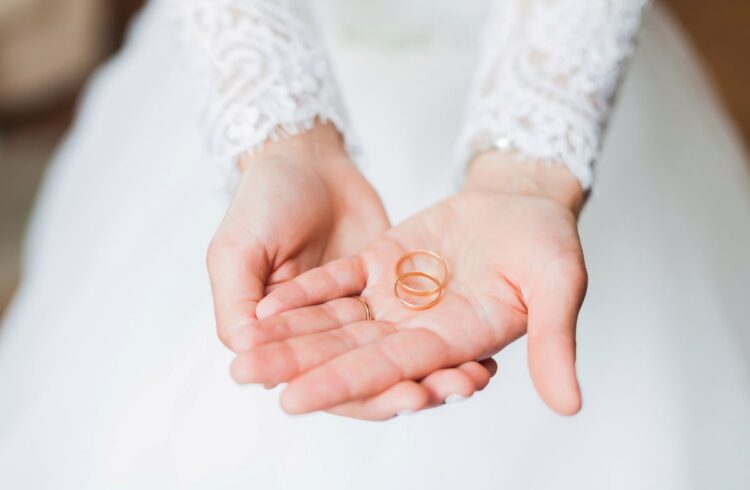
(111, 375)
(544, 86)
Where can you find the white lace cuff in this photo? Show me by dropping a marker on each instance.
(265, 71)
(547, 79)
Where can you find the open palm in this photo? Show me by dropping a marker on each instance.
(516, 266)
(299, 205)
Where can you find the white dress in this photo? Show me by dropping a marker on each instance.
(111, 375)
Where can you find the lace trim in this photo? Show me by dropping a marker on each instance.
(265, 72)
(548, 77)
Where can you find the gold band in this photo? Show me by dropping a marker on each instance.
(368, 311)
(414, 306)
(423, 292)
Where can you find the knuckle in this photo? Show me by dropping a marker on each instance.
(215, 248)
(573, 269)
(580, 278)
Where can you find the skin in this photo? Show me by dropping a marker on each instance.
(301, 203)
(516, 268)
(510, 239)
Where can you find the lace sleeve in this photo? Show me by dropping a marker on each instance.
(264, 70)
(547, 79)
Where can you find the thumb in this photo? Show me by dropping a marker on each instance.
(553, 313)
(238, 272)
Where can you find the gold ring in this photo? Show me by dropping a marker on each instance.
(368, 311)
(400, 281)
(423, 292)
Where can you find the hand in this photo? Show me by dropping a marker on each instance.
(299, 204)
(516, 267)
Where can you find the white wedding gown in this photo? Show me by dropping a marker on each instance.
(111, 376)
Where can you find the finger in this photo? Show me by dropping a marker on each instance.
(294, 323)
(452, 385)
(279, 362)
(408, 354)
(336, 279)
(403, 398)
(552, 317)
(480, 372)
(490, 365)
(238, 273)
(406, 397)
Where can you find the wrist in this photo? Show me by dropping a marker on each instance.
(319, 151)
(320, 147)
(508, 173)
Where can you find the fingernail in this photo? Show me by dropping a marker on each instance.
(454, 398)
(403, 413)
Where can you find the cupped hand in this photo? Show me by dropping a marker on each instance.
(516, 267)
(299, 204)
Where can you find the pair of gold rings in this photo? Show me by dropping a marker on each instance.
(402, 288)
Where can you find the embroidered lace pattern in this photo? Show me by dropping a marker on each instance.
(265, 68)
(547, 79)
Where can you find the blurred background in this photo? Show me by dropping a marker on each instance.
(48, 48)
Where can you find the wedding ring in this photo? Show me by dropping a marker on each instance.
(440, 282)
(416, 306)
(368, 311)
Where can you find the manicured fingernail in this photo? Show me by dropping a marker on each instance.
(403, 413)
(454, 398)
